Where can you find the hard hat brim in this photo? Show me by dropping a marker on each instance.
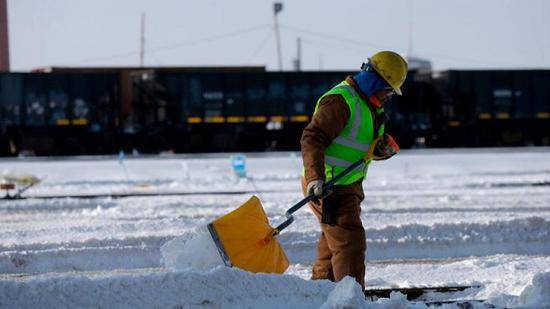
(398, 91)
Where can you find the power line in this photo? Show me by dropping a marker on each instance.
(331, 37)
(176, 45)
(260, 46)
(316, 43)
(113, 56)
(153, 55)
(211, 39)
(363, 43)
(359, 45)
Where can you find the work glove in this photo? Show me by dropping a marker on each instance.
(385, 147)
(315, 187)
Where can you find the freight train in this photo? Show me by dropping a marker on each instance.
(152, 110)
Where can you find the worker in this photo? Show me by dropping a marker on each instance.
(347, 120)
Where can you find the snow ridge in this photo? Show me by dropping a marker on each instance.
(219, 288)
(441, 240)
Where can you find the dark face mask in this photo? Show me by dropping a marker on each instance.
(369, 82)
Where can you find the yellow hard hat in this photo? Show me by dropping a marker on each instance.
(392, 67)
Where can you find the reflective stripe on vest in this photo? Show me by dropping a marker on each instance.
(351, 139)
(339, 165)
(352, 143)
(333, 161)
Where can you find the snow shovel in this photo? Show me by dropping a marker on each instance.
(24, 183)
(245, 239)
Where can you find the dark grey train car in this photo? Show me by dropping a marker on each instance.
(228, 111)
(52, 114)
(495, 108)
(102, 111)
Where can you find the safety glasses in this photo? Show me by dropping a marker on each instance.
(390, 92)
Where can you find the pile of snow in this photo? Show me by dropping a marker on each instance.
(346, 294)
(537, 293)
(440, 240)
(221, 287)
(534, 295)
(197, 251)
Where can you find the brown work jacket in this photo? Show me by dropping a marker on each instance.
(327, 123)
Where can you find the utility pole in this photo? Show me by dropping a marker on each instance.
(298, 60)
(4, 38)
(142, 41)
(277, 8)
(410, 51)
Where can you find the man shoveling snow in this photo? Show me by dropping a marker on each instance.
(348, 119)
(346, 133)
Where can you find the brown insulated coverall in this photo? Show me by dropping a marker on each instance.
(341, 248)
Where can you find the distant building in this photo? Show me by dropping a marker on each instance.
(419, 64)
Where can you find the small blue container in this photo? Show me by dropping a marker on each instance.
(238, 162)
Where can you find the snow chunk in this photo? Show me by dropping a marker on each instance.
(346, 294)
(397, 300)
(537, 294)
(197, 251)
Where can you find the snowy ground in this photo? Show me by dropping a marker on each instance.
(433, 217)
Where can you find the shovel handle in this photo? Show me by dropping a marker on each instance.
(384, 139)
(309, 198)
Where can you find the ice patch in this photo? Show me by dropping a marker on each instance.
(197, 252)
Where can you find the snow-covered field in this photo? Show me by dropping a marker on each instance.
(433, 217)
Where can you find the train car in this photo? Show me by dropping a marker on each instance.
(495, 108)
(245, 111)
(251, 111)
(53, 114)
(416, 116)
(150, 110)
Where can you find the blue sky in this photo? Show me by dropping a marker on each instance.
(336, 35)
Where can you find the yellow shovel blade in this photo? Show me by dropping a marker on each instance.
(23, 179)
(244, 236)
